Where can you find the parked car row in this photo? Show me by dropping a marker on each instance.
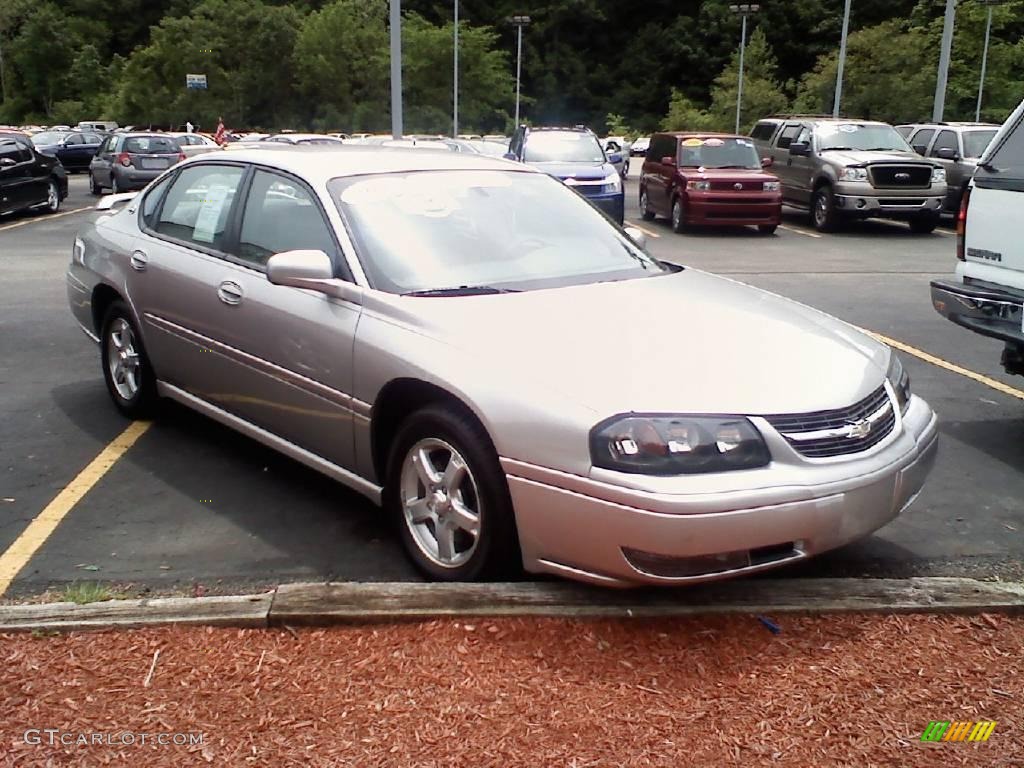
(29, 179)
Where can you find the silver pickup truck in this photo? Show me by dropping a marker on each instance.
(841, 169)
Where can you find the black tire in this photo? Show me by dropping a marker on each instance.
(143, 402)
(824, 216)
(94, 188)
(924, 224)
(52, 203)
(678, 216)
(645, 206)
(495, 553)
(767, 229)
(115, 188)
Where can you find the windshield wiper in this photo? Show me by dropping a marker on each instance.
(885, 149)
(726, 167)
(462, 290)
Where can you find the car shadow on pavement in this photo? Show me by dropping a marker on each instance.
(999, 439)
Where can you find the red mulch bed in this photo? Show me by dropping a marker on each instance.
(847, 690)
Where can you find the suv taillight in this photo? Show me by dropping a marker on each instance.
(124, 159)
(961, 226)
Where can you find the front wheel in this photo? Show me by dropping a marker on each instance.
(645, 206)
(115, 188)
(924, 224)
(449, 497)
(824, 216)
(678, 216)
(126, 369)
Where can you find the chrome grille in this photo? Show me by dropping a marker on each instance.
(839, 432)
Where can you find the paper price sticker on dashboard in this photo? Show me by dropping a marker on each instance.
(693, 143)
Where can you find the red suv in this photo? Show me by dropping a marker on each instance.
(708, 179)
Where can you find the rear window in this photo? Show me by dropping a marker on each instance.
(151, 145)
(1007, 159)
(976, 142)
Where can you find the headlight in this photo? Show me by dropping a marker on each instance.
(772, 186)
(900, 381)
(699, 186)
(938, 175)
(677, 445)
(855, 174)
(613, 180)
(78, 251)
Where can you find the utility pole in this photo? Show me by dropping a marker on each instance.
(944, 55)
(842, 59)
(984, 56)
(396, 69)
(519, 22)
(744, 10)
(455, 78)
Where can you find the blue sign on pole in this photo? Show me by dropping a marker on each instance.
(195, 81)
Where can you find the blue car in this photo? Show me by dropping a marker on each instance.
(575, 157)
(74, 149)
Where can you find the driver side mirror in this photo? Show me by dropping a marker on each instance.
(767, 162)
(312, 270)
(948, 154)
(615, 158)
(800, 149)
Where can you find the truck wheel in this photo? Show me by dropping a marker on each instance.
(924, 224)
(824, 216)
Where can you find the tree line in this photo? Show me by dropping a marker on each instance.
(622, 67)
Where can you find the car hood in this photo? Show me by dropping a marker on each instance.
(687, 342)
(581, 171)
(861, 157)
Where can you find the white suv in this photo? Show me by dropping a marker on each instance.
(988, 295)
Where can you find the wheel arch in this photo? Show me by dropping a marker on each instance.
(102, 297)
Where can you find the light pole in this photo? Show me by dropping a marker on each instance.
(519, 22)
(455, 78)
(396, 69)
(947, 47)
(984, 56)
(842, 59)
(744, 10)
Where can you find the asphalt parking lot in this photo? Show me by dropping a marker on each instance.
(193, 503)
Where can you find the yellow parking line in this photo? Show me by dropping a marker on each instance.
(1006, 389)
(645, 230)
(803, 232)
(39, 530)
(48, 217)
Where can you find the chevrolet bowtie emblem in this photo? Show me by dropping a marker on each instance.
(858, 429)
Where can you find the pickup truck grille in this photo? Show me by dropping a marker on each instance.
(823, 434)
(900, 176)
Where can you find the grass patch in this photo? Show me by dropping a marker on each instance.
(85, 592)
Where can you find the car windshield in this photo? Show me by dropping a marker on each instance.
(151, 145)
(563, 147)
(883, 138)
(718, 153)
(976, 142)
(50, 137)
(500, 230)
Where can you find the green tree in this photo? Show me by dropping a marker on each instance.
(762, 93)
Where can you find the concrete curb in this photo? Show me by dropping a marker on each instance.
(321, 604)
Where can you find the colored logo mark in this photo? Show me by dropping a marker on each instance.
(958, 731)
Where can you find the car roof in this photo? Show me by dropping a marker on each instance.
(950, 125)
(320, 163)
(709, 134)
(303, 136)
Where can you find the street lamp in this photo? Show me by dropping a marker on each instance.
(519, 22)
(939, 106)
(396, 69)
(984, 56)
(744, 10)
(455, 78)
(842, 60)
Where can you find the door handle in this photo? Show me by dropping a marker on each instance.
(230, 292)
(139, 261)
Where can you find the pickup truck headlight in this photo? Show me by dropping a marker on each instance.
(772, 186)
(938, 175)
(900, 381)
(699, 186)
(677, 445)
(855, 174)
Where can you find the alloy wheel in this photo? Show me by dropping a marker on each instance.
(53, 197)
(820, 209)
(440, 502)
(123, 359)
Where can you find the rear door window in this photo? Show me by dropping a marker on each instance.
(198, 205)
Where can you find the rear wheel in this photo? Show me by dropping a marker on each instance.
(767, 229)
(678, 216)
(94, 188)
(645, 206)
(449, 497)
(52, 202)
(115, 188)
(126, 369)
(924, 224)
(824, 216)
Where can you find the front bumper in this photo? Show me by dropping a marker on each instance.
(611, 535)
(895, 206)
(739, 209)
(613, 204)
(992, 313)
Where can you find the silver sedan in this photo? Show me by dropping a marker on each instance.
(510, 375)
